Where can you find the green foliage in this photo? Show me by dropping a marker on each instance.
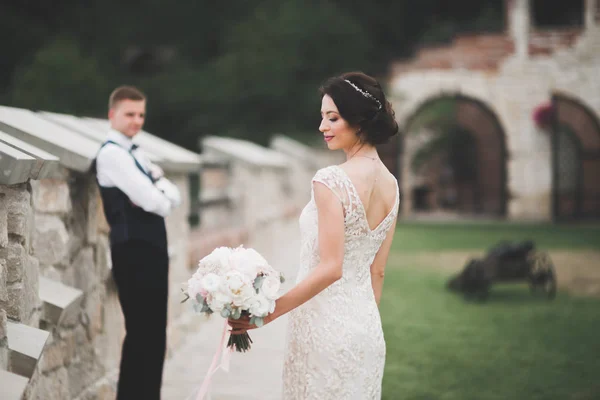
(238, 68)
(273, 64)
(479, 17)
(60, 78)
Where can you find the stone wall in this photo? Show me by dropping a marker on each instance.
(18, 268)
(263, 185)
(55, 228)
(70, 250)
(303, 163)
(512, 90)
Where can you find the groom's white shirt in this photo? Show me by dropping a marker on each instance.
(116, 168)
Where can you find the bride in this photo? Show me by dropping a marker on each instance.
(335, 347)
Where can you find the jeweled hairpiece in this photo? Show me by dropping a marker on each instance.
(364, 93)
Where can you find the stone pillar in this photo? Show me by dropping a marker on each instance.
(519, 22)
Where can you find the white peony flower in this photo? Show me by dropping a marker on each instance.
(237, 287)
(195, 288)
(218, 300)
(261, 263)
(211, 282)
(270, 287)
(242, 262)
(225, 279)
(261, 306)
(216, 262)
(255, 257)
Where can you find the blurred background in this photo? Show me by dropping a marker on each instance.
(252, 69)
(498, 158)
(243, 68)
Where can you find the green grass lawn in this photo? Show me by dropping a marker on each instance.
(514, 346)
(455, 236)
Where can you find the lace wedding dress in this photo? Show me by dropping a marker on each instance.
(335, 347)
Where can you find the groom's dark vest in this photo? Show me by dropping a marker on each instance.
(128, 221)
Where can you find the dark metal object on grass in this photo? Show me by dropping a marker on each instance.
(506, 263)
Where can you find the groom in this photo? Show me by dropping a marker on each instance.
(136, 199)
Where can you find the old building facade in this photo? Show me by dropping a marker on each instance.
(529, 99)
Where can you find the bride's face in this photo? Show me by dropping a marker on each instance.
(337, 133)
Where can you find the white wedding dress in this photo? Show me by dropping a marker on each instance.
(335, 347)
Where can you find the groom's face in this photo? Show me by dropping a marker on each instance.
(127, 116)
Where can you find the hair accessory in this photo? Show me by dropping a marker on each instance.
(364, 93)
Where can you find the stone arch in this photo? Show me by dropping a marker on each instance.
(575, 159)
(481, 121)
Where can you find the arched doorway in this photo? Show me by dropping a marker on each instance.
(575, 160)
(461, 144)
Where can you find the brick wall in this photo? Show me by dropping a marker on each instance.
(485, 52)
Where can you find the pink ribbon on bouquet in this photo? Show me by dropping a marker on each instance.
(225, 356)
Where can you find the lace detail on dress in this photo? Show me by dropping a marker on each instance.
(335, 345)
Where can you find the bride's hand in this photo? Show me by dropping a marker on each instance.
(241, 325)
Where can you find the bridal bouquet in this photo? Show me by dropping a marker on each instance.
(235, 282)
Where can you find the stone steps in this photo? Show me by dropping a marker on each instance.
(25, 347)
(12, 386)
(60, 302)
(26, 344)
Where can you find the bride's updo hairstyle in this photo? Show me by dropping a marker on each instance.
(361, 102)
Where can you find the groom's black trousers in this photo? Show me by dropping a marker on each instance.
(141, 272)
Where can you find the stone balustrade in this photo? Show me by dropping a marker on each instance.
(21, 161)
(62, 327)
(262, 185)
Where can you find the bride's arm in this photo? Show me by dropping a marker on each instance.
(379, 263)
(331, 251)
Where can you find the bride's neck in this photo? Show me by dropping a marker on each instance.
(361, 150)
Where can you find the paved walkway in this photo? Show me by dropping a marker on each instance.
(255, 375)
